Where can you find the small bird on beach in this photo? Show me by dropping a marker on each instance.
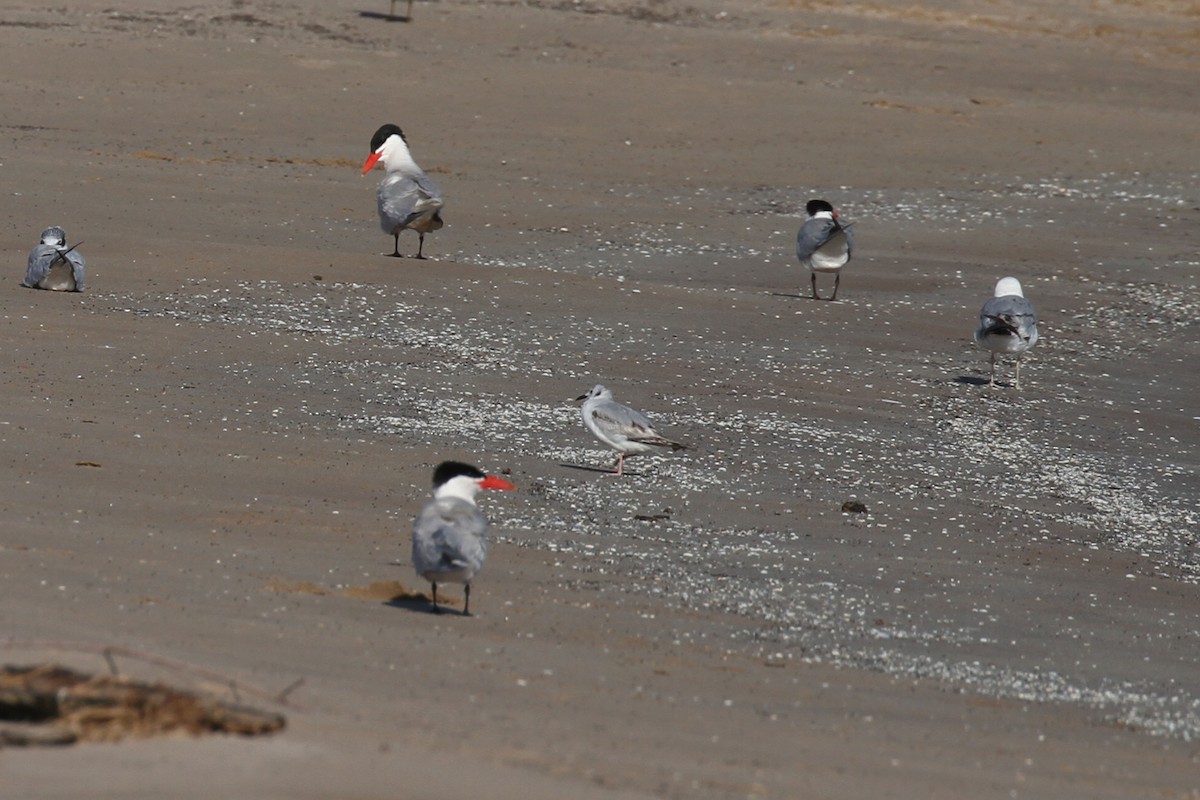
(622, 428)
(407, 198)
(54, 266)
(449, 538)
(824, 244)
(1007, 324)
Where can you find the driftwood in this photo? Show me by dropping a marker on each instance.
(50, 704)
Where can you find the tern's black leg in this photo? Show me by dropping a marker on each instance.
(837, 278)
(814, 286)
(420, 245)
(396, 248)
(467, 600)
(436, 609)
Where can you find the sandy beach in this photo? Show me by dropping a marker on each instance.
(214, 454)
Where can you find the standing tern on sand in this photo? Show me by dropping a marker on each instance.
(449, 539)
(54, 266)
(824, 244)
(622, 428)
(407, 198)
(1007, 324)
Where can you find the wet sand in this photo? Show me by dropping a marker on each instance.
(215, 453)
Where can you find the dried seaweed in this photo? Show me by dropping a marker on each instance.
(48, 704)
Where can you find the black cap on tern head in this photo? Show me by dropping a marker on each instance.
(814, 206)
(448, 470)
(383, 133)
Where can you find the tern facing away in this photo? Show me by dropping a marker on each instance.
(449, 539)
(824, 244)
(1007, 324)
(622, 428)
(53, 265)
(407, 198)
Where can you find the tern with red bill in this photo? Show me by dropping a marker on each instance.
(824, 244)
(622, 428)
(407, 198)
(1007, 324)
(449, 539)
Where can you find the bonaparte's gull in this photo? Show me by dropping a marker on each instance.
(622, 428)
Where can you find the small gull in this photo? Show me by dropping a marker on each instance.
(1007, 324)
(622, 428)
(824, 244)
(52, 265)
(408, 199)
(449, 539)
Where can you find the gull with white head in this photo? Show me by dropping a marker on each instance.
(622, 428)
(1007, 324)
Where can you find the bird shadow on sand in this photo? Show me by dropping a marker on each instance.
(384, 17)
(421, 604)
(803, 297)
(971, 380)
(600, 470)
(410, 600)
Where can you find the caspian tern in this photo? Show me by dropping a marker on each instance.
(449, 539)
(1007, 324)
(52, 265)
(824, 244)
(622, 428)
(408, 199)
